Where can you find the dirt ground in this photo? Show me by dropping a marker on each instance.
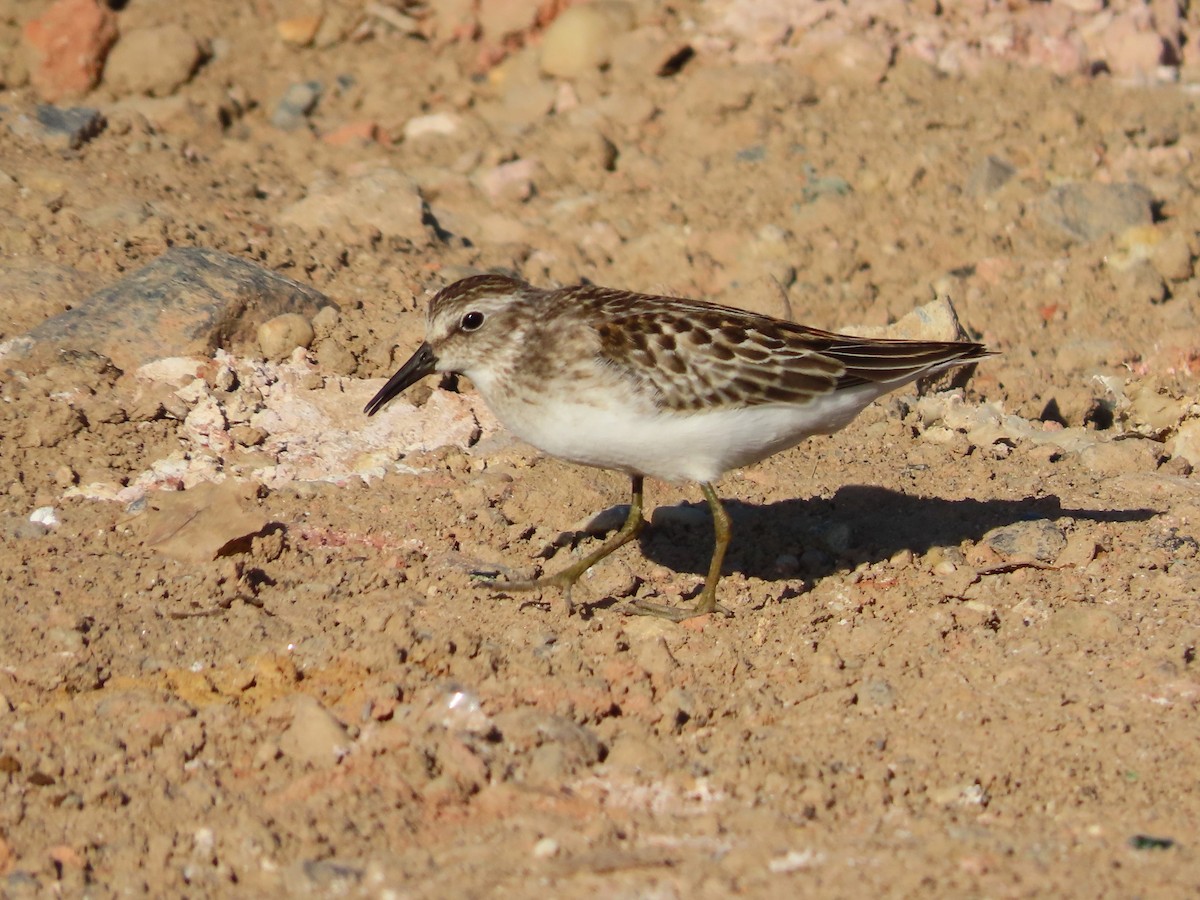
(962, 660)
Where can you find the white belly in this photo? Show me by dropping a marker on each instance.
(676, 446)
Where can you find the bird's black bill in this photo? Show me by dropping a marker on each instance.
(421, 364)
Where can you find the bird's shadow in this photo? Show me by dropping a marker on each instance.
(860, 523)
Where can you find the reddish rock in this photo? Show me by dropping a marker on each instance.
(68, 44)
(361, 132)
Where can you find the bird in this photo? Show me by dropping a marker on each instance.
(654, 386)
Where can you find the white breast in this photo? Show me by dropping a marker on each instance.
(672, 446)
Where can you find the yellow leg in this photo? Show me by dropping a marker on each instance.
(634, 523)
(707, 601)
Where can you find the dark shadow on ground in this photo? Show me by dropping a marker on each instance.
(860, 523)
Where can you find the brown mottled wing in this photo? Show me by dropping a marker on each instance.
(703, 356)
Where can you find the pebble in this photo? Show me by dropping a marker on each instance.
(990, 175)
(581, 39)
(1089, 210)
(185, 303)
(1172, 257)
(432, 124)
(155, 61)
(68, 43)
(45, 515)
(509, 181)
(300, 99)
(325, 321)
(1039, 540)
(299, 31)
(1185, 443)
(315, 735)
(546, 848)
(382, 199)
(66, 128)
(278, 337)
(360, 133)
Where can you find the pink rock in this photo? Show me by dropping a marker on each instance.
(1061, 55)
(510, 181)
(1129, 52)
(362, 132)
(68, 44)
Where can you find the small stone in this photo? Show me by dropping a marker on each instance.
(278, 337)
(68, 44)
(1039, 540)
(68, 128)
(581, 39)
(315, 735)
(990, 175)
(325, 321)
(1172, 257)
(546, 848)
(291, 112)
(1185, 443)
(299, 31)
(433, 124)
(45, 515)
(1089, 210)
(359, 133)
(155, 61)
(248, 435)
(509, 181)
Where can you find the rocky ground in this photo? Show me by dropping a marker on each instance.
(241, 647)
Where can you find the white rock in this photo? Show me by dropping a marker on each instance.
(432, 124)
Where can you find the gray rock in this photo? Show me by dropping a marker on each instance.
(1089, 210)
(67, 128)
(1040, 539)
(291, 112)
(189, 301)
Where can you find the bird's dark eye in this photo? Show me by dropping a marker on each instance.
(471, 321)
